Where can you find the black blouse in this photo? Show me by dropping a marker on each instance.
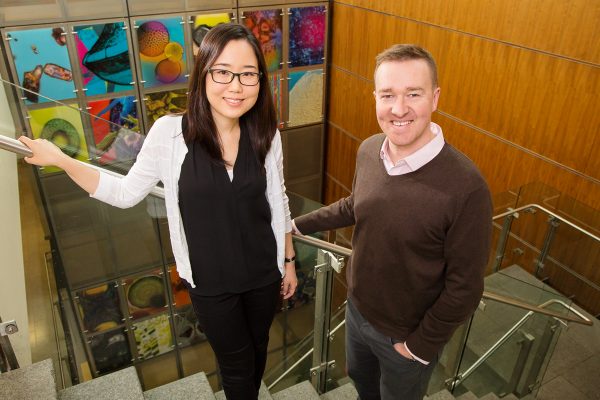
(227, 223)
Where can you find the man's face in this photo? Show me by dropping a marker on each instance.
(405, 98)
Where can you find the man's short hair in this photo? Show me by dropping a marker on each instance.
(405, 52)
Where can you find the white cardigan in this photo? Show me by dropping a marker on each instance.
(160, 159)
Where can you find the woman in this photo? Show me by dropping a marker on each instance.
(229, 221)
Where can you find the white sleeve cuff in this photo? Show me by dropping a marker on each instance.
(295, 230)
(415, 357)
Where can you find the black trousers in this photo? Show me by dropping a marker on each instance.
(237, 327)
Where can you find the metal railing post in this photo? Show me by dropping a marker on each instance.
(324, 280)
(502, 240)
(541, 357)
(553, 223)
(525, 343)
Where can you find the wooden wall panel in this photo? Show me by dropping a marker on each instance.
(351, 104)
(519, 97)
(543, 103)
(343, 148)
(565, 27)
(333, 190)
(508, 167)
(505, 166)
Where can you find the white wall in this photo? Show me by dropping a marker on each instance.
(13, 301)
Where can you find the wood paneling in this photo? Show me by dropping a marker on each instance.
(564, 27)
(343, 148)
(351, 104)
(333, 190)
(507, 167)
(543, 103)
(519, 97)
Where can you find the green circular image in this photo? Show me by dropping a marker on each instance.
(147, 292)
(63, 134)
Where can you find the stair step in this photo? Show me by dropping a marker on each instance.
(123, 384)
(441, 395)
(191, 387)
(263, 393)
(490, 396)
(301, 391)
(467, 396)
(346, 392)
(34, 381)
(510, 397)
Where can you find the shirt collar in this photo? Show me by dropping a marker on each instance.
(422, 156)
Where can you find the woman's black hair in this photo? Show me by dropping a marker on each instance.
(260, 122)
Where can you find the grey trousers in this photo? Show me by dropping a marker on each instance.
(379, 372)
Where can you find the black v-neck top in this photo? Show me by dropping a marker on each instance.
(227, 223)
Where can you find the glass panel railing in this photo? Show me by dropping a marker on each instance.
(507, 351)
(103, 132)
(512, 335)
(557, 239)
(562, 255)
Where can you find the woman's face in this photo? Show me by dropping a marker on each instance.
(229, 101)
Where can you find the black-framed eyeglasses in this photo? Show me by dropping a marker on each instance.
(225, 76)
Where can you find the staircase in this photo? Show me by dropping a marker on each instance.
(446, 395)
(36, 382)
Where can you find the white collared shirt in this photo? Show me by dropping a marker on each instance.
(417, 159)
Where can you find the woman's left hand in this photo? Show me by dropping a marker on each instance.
(289, 281)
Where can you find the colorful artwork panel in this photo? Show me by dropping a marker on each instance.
(146, 295)
(162, 51)
(62, 126)
(163, 103)
(266, 26)
(203, 23)
(275, 84)
(305, 97)
(110, 351)
(181, 295)
(187, 329)
(307, 36)
(115, 126)
(42, 64)
(103, 55)
(153, 336)
(99, 308)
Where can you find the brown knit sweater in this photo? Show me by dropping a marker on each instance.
(420, 245)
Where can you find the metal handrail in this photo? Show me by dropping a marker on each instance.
(15, 146)
(541, 308)
(533, 205)
(464, 375)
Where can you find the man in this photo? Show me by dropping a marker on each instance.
(422, 215)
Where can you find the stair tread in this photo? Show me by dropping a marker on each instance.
(301, 391)
(35, 381)
(467, 396)
(263, 393)
(345, 392)
(123, 384)
(194, 386)
(441, 395)
(510, 397)
(490, 396)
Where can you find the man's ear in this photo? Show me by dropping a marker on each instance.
(436, 97)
